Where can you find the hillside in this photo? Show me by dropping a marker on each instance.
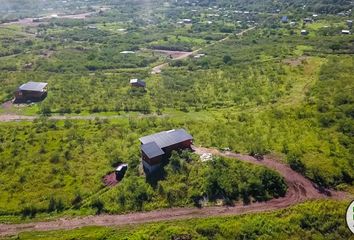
(238, 76)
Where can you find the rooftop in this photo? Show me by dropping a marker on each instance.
(121, 166)
(33, 86)
(137, 81)
(167, 138)
(152, 150)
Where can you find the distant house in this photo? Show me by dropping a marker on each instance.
(127, 52)
(157, 147)
(350, 23)
(308, 20)
(346, 32)
(187, 21)
(304, 32)
(137, 83)
(284, 19)
(120, 171)
(31, 92)
(199, 55)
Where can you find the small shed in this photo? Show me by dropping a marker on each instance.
(346, 32)
(120, 171)
(350, 23)
(304, 32)
(31, 92)
(308, 20)
(137, 83)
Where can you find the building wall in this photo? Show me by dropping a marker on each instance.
(182, 145)
(137, 85)
(151, 161)
(150, 168)
(152, 164)
(29, 95)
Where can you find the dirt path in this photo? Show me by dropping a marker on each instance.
(10, 117)
(157, 69)
(299, 190)
(42, 20)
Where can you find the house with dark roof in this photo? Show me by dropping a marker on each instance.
(31, 92)
(284, 19)
(157, 147)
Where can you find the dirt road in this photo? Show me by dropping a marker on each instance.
(41, 20)
(299, 190)
(157, 69)
(9, 117)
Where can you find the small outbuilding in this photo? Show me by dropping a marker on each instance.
(31, 92)
(137, 83)
(304, 32)
(350, 23)
(346, 32)
(308, 20)
(157, 147)
(120, 171)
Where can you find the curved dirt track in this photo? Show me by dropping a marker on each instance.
(299, 190)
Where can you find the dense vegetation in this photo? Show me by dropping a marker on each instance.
(312, 220)
(53, 166)
(270, 90)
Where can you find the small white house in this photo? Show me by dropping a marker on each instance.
(346, 32)
(304, 32)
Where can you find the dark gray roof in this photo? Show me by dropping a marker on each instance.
(33, 86)
(167, 138)
(151, 150)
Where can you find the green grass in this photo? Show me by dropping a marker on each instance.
(317, 219)
(240, 95)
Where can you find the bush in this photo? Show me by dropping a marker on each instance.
(98, 205)
(29, 211)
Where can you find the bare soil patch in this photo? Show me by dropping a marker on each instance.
(110, 180)
(172, 54)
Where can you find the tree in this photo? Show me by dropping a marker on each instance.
(227, 59)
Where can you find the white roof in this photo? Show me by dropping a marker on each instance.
(119, 168)
(33, 86)
(127, 52)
